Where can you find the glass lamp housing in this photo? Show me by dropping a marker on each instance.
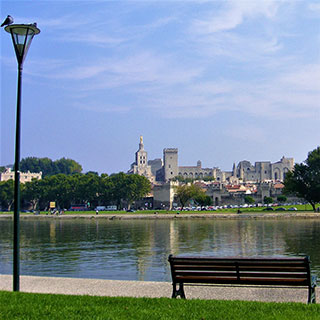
(22, 35)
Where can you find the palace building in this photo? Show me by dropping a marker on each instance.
(167, 168)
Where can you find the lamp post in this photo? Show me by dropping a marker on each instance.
(22, 35)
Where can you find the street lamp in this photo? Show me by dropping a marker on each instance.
(22, 35)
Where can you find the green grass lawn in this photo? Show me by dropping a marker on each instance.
(17, 305)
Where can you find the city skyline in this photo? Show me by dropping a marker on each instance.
(222, 81)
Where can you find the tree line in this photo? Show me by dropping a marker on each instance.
(49, 167)
(117, 189)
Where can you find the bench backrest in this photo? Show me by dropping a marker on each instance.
(233, 270)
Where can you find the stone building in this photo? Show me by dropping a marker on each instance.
(163, 195)
(24, 176)
(262, 171)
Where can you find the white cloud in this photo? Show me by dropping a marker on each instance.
(233, 13)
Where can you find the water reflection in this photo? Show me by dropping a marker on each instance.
(139, 249)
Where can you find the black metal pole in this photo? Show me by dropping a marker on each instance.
(16, 215)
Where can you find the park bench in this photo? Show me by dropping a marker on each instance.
(264, 271)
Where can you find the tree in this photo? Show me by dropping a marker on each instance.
(208, 178)
(282, 198)
(248, 200)
(304, 180)
(202, 199)
(105, 189)
(32, 192)
(2, 169)
(86, 188)
(7, 193)
(183, 179)
(128, 187)
(67, 166)
(137, 187)
(267, 200)
(33, 164)
(186, 192)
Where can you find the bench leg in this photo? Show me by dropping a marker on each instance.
(179, 292)
(312, 295)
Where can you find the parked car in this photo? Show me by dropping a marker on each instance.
(131, 210)
(100, 208)
(293, 209)
(280, 209)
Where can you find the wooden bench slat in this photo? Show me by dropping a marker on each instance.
(241, 268)
(264, 258)
(242, 274)
(227, 280)
(228, 260)
(241, 263)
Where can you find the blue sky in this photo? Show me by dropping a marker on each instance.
(223, 81)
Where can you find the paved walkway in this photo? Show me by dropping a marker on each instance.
(114, 288)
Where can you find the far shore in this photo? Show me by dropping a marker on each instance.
(171, 215)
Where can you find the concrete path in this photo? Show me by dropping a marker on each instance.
(114, 288)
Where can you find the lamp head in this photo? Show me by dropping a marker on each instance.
(22, 35)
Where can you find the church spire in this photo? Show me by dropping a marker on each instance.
(141, 146)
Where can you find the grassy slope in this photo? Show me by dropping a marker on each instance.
(15, 305)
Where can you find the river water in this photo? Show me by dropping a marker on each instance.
(139, 249)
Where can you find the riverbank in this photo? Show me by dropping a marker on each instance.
(173, 215)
